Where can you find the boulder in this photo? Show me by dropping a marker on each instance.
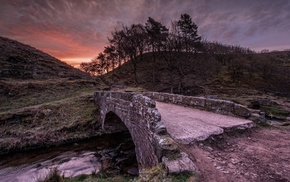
(179, 165)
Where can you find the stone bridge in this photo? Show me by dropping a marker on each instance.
(137, 113)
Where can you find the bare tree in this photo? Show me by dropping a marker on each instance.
(116, 40)
(134, 44)
(111, 55)
(85, 67)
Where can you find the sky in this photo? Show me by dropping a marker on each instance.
(76, 31)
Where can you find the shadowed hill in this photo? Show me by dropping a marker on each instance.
(22, 61)
(209, 74)
(43, 101)
(260, 81)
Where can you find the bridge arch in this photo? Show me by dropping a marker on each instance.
(113, 123)
(140, 116)
(116, 121)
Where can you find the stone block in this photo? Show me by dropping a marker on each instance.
(159, 128)
(177, 99)
(166, 97)
(179, 165)
(257, 118)
(149, 94)
(146, 101)
(196, 101)
(241, 110)
(219, 106)
(154, 95)
(167, 145)
(186, 100)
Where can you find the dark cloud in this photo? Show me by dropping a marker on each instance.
(71, 29)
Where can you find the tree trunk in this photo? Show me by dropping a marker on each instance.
(154, 69)
(134, 63)
(119, 61)
(171, 82)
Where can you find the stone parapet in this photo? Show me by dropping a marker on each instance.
(208, 104)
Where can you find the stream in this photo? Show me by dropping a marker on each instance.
(111, 155)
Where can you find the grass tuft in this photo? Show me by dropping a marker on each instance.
(183, 177)
(275, 111)
(53, 176)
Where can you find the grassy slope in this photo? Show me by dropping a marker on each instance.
(47, 112)
(21, 93)
(43, 101)
(25, 62)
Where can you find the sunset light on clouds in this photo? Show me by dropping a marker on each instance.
(76, 31)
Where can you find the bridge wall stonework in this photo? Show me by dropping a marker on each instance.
(142, 119)
(212, 105)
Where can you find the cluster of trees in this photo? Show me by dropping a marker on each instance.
(219, 48)
(184, 53)
(131, 42)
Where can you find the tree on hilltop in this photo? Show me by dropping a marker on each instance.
(187, 30)
(111, 55)
(116, 40)
(157, 36)
(183, 40)
(133, 44)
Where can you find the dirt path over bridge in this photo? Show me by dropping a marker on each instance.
(187, 125)
(256, 155)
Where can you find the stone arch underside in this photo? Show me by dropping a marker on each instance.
(113, 123)
(141, 135)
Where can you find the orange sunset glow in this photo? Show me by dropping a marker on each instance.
(75, 61)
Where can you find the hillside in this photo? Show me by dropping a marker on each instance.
(256, 80)
(22, 61)
(193, 74)
(43, 101)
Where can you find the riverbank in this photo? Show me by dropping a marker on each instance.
(107, 156)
